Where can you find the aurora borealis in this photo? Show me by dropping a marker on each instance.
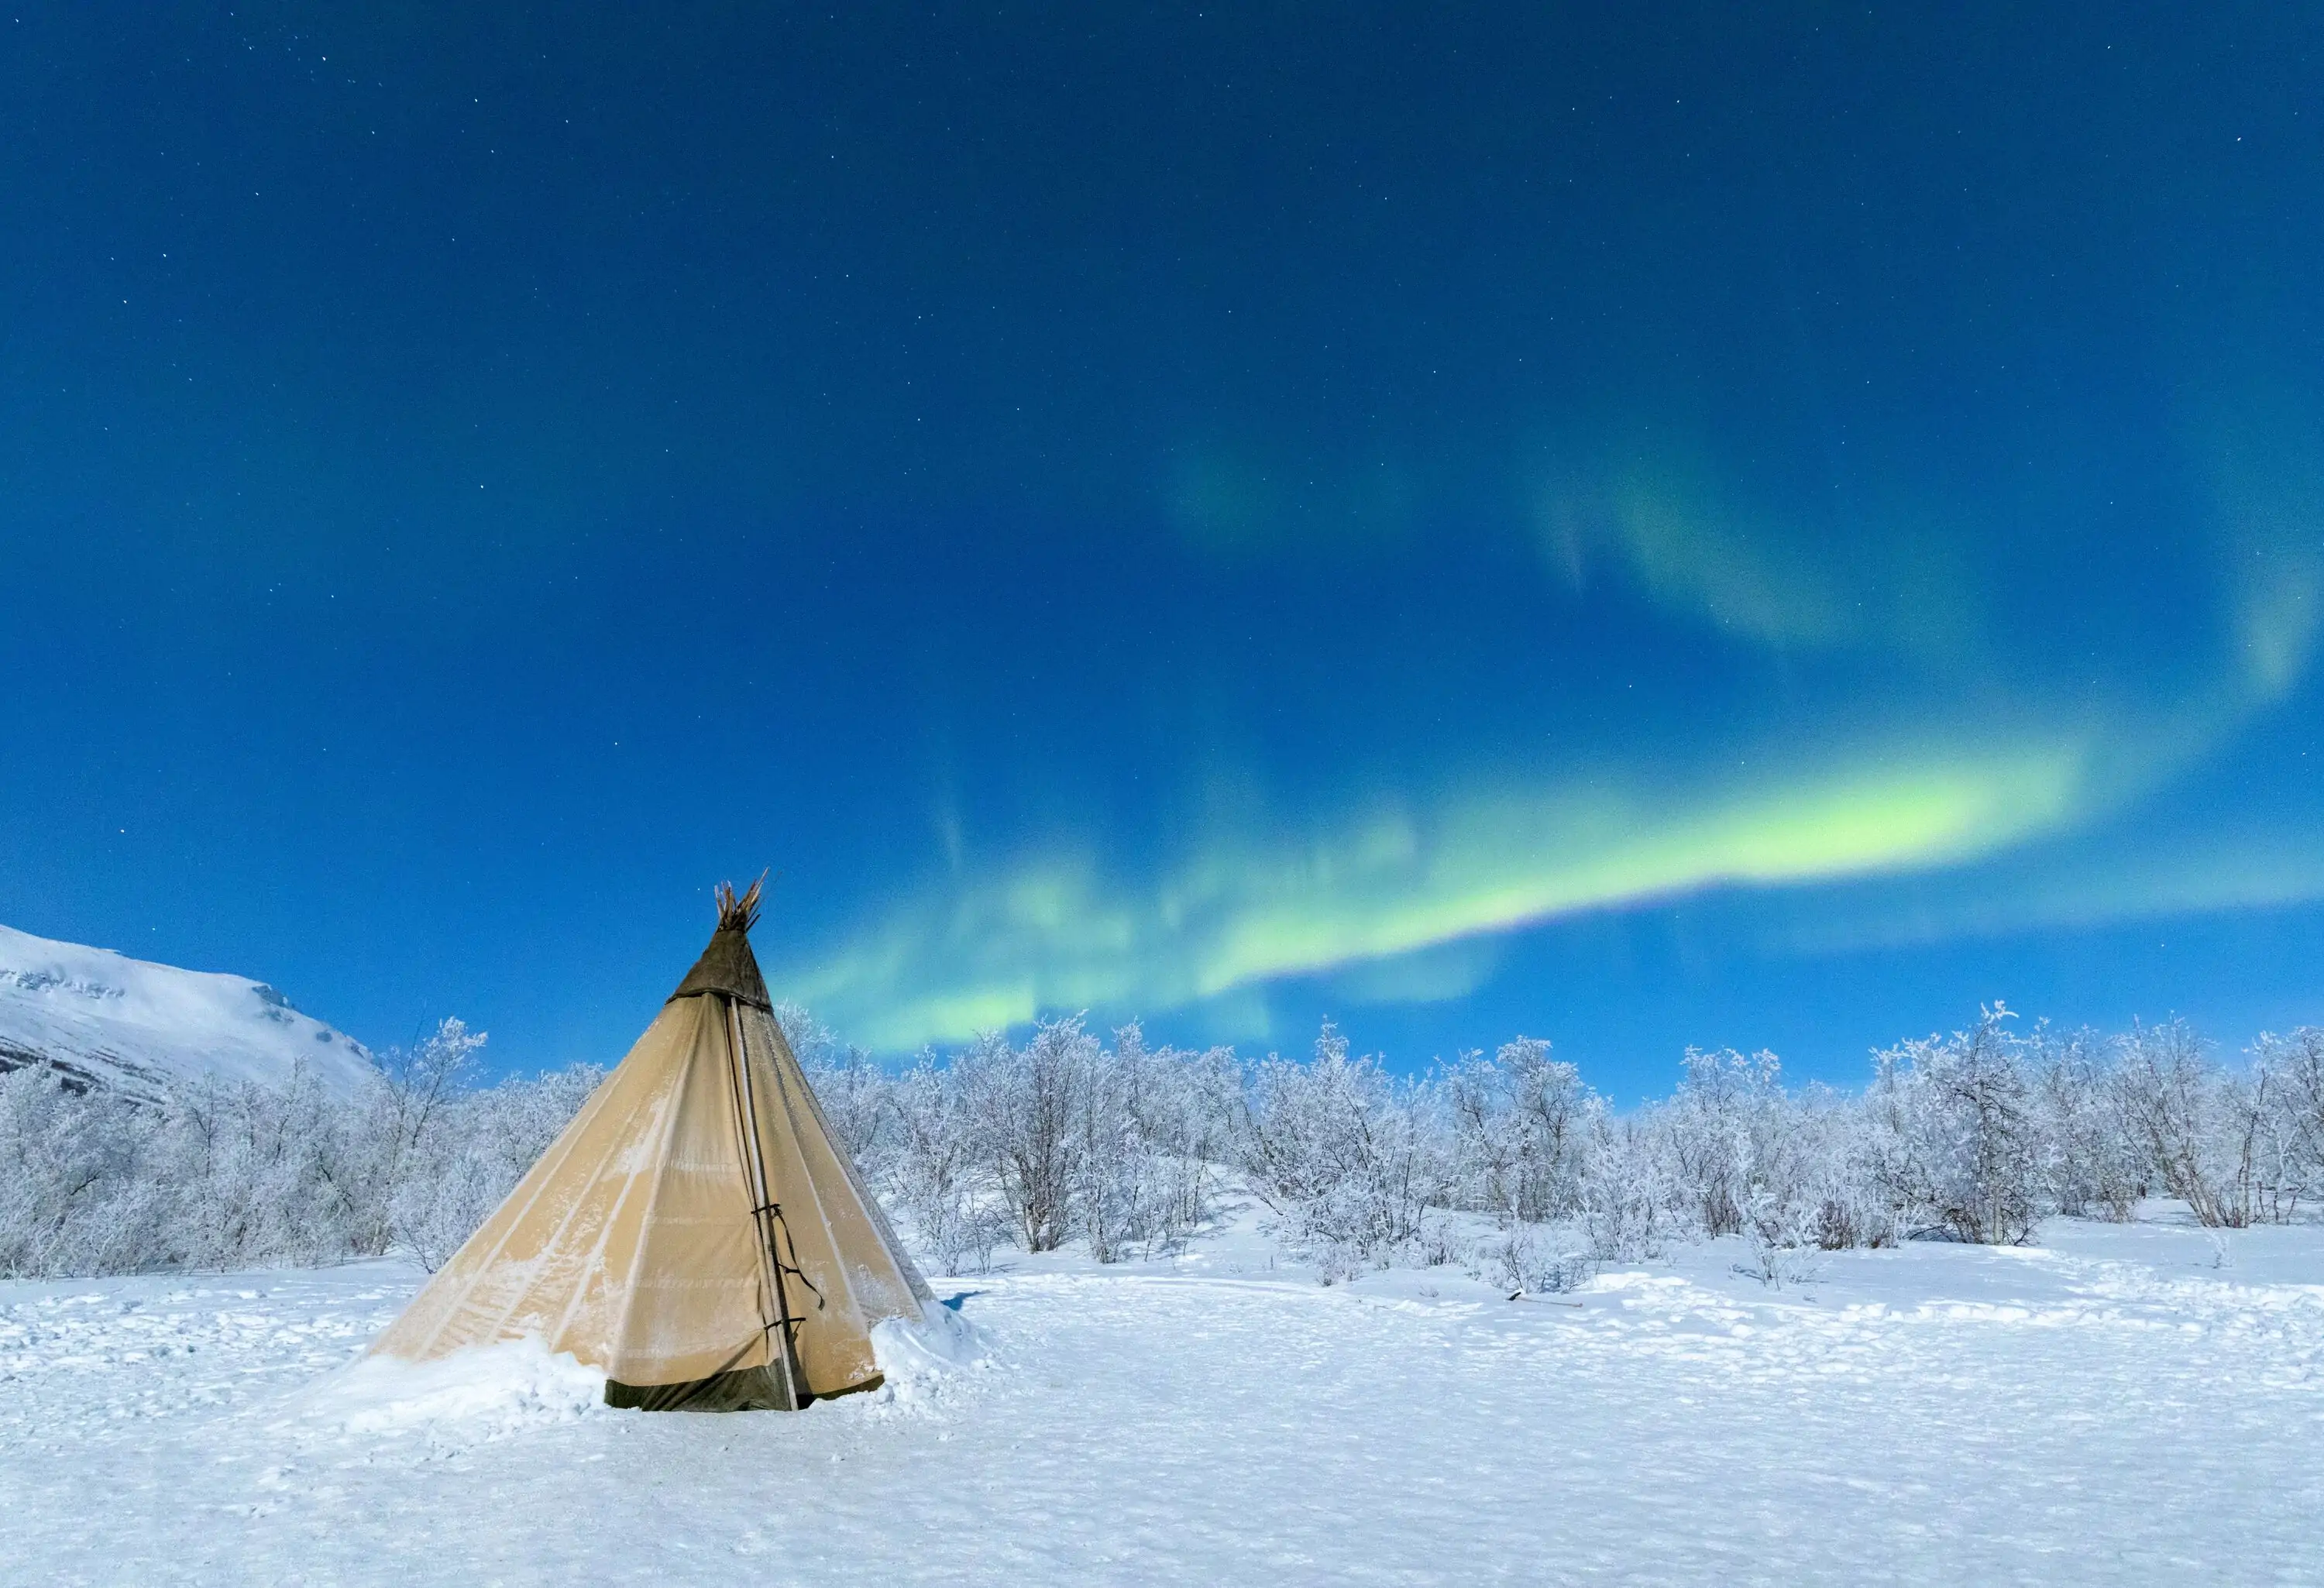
(1743, 529)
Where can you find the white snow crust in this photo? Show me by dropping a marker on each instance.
(102, 1017)
(2108, 1406)
(484, 1392)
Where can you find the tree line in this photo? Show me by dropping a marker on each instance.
(1508, 1163)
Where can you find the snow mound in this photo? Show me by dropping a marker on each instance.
(484, 1392)
(923, 1361)
(103, 1019)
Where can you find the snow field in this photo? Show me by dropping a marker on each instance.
(2105, 1408)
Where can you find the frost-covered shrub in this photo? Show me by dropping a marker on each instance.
(1536, 1258)
(1141, 1179)
(396, 1150)
(2205, 1131)
(1780, 1254)
(2295, 1066)
(1627, 1190)
(2298, 1062)
(1847, 1206)
(2093, 1165)
(1722, 1127)
(1521, 1124)
(938, 1174)
(72, 1200)
(1181, 1105)
(217, 1174)
(1734, 1152)
(1030, 1105)
(1956, 1143)
(1061, 1138)
(252, 1175)
(1349, 1155)
(1779, 1211)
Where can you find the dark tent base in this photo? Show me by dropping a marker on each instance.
(743, 1389)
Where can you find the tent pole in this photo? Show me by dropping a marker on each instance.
(763, 1210)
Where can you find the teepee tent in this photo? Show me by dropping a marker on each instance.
(696, 1232)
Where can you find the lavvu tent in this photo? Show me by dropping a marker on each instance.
(696, 1232)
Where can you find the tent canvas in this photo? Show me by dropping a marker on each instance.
(696, 1232)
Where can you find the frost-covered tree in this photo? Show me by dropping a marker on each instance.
(1184, 1104)
(71, 1201)
(1627, 1190)
(1956, 1139)
(1521, 1122)
(1030, 1105)
(402, 1110)
(2093, 1166)
(2201, 1129)
(2296, 1064)
(940, 1176)
(1726, 1129)
(262, 1175)
(1351, 1156)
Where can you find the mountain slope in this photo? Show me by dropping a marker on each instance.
(102, 1019)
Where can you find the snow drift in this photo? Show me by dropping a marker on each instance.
(486, 1392)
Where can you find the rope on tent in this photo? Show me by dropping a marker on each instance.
(776, 1209)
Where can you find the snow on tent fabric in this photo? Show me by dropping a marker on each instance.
(696, 1233)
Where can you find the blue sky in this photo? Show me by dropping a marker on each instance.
(1758, 528)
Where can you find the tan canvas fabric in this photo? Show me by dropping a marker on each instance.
(632, 1243)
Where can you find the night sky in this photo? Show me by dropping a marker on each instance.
(1756, 526)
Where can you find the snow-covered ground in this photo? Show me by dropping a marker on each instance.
(102, 1017)
(2112, 1406)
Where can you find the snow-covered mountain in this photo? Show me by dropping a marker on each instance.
(101, 1018)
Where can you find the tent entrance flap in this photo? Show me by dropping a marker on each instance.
(743, 1389)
